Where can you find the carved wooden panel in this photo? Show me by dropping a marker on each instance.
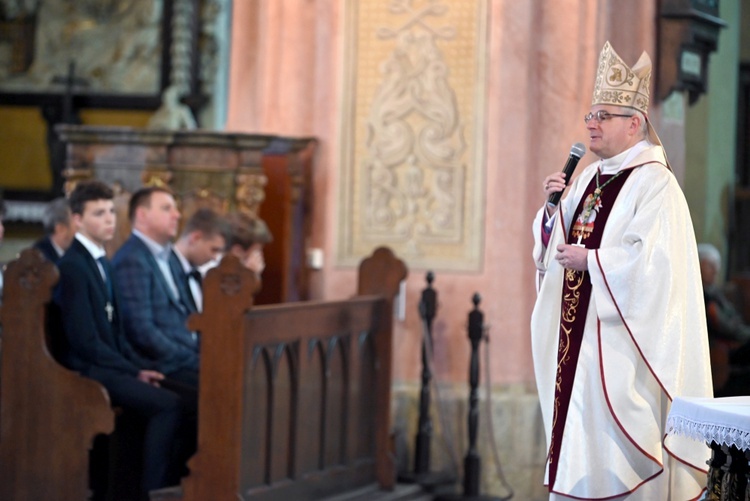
(294, 398)
(48, 414)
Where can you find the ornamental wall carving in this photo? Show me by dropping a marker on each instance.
(412, 155)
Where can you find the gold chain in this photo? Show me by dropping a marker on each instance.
(596, 195)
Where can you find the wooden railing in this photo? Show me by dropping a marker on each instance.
(294, 398)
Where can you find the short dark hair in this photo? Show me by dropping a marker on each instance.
(208, 222)
(88, 191)
(247, 230)
(142, 198)
(56, 212)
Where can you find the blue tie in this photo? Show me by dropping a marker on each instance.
(108, 278)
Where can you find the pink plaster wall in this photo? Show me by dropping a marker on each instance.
(286, 70)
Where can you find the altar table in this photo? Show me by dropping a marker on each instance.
(724, 425)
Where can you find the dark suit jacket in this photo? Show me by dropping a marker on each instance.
(155, 321)
(93, 342)
(44, 244)
(182, 282)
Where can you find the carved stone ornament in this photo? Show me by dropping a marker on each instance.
(414, 154)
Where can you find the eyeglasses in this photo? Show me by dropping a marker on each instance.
(602, 115)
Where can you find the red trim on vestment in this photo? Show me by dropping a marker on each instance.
(626, 493)
(679, 459)
(609, 404)
(625, 324)
(619, 312)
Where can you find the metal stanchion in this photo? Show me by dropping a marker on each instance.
(427, 308)
(472, 461)
(422, 443)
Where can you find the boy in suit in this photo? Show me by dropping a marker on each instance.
(247, 237)
(89, 305)
(202, 240)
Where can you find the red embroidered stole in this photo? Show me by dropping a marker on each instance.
(576, 294)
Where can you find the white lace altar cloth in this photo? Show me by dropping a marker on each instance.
(725, 421)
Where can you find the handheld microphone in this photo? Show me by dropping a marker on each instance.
(576, 152)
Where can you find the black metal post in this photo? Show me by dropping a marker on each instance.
(472, 461)
(427, 308)
(431, 481)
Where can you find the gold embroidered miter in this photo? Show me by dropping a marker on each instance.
(619, 85)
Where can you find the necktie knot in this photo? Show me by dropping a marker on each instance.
(195, 275)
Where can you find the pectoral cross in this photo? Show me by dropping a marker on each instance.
(110, 310)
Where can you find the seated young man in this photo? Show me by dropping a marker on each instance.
(202, 240)
(89, 305)
(247, 237)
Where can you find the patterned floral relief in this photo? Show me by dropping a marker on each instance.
(415, 164)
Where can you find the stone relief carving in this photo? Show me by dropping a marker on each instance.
(417, 176)
(416, 145)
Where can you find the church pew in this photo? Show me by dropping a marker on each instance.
(48, 414)
(294, 398)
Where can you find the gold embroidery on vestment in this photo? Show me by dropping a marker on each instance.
(571, 301)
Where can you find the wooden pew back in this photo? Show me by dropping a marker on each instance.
(294, 398)
(48, 414)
